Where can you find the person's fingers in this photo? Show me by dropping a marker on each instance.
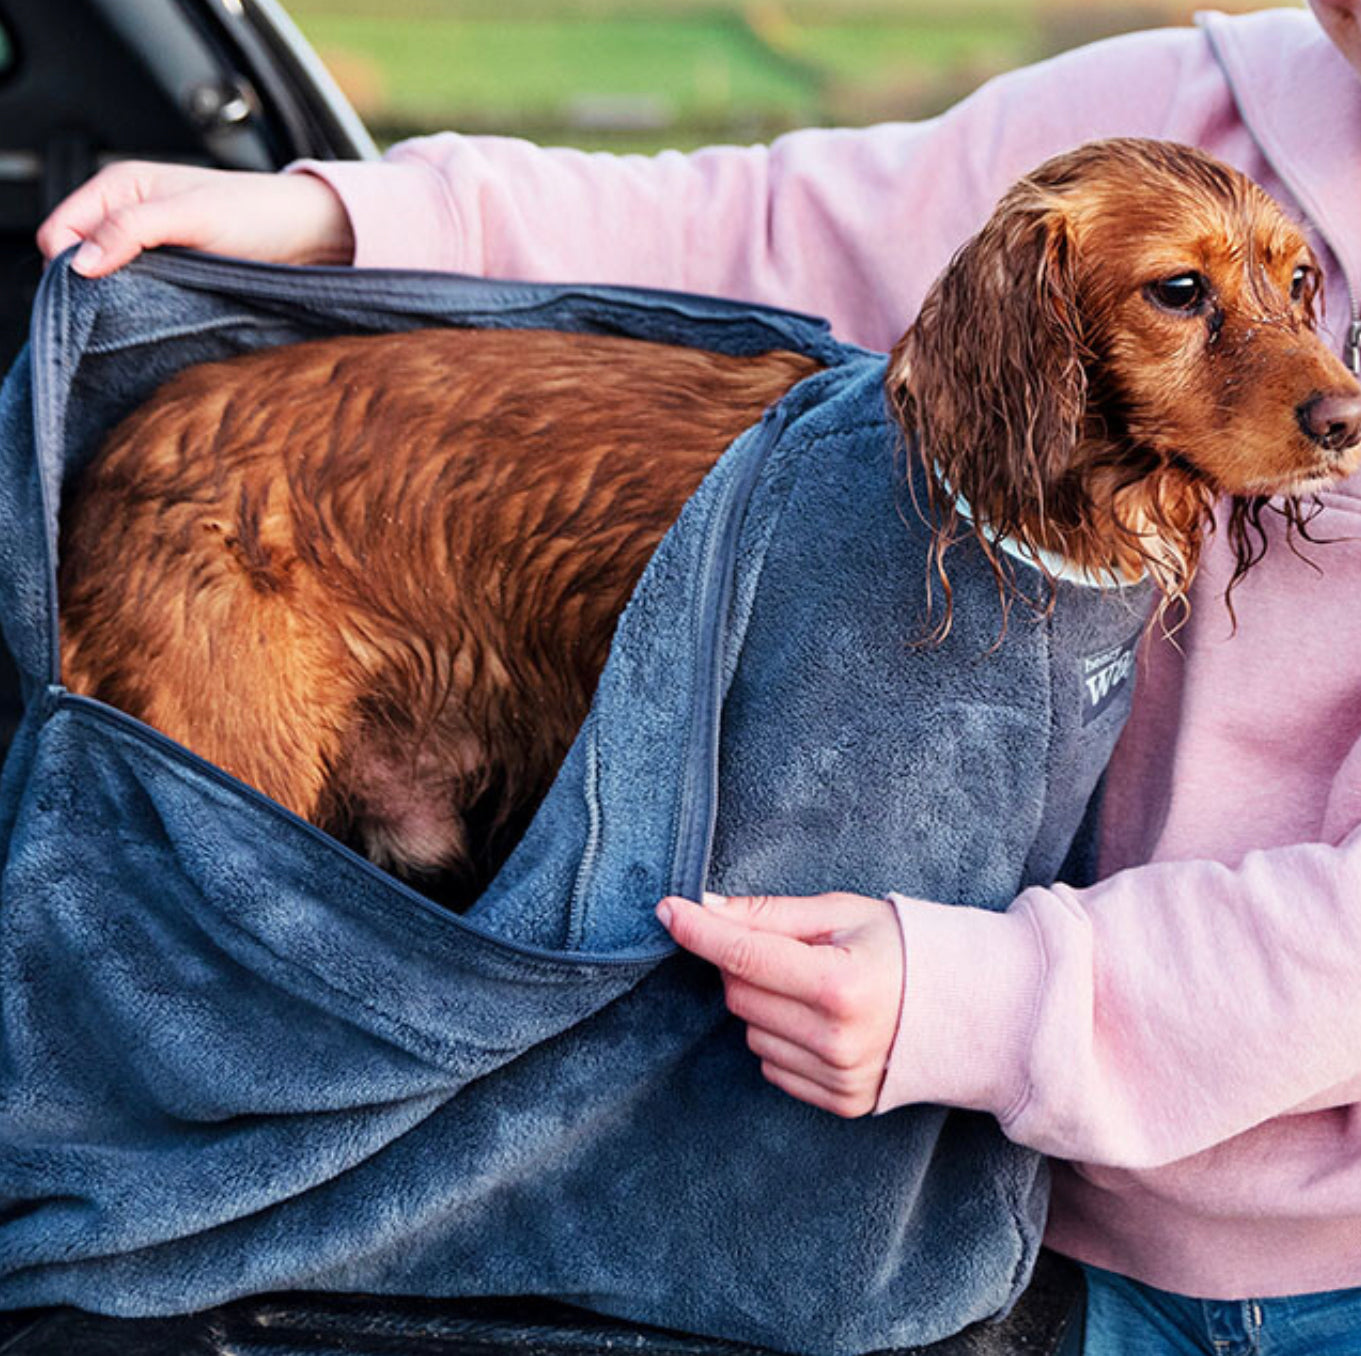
(839, 1104)
(176, 220)
(821, 1011)
(74, 217)
(790, 1018)
(59, 233)
(779, 964)
(113, 188)
(774, 1050)
(817, 919)
(839, 1044)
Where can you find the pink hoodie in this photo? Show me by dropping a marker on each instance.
(1186, 1035)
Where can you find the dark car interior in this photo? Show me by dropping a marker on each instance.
(231, 83)
(82, 82)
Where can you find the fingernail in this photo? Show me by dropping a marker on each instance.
(714, 901)
(87, 257)
(664, 914)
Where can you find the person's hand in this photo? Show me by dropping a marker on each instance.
(135, 205)
(818, 981)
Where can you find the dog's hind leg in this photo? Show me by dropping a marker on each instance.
(401, 798)
(239, 673)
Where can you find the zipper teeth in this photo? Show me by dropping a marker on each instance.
(576, 921)
(1354, 342)
(692, 841)
(44, 309)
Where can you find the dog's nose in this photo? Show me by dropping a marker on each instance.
(1332, 421)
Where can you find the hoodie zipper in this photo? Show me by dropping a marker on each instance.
(1354, 342)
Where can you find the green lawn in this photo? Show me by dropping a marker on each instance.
(538, 68)
(876, 48)
(630, 75)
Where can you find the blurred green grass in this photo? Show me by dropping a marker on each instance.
(541, 67)
(626, 75)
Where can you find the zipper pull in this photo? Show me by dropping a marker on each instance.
(1354, 345)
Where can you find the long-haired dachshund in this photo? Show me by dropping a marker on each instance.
(377, 577)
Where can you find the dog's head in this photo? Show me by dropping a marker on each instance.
(1129, 337)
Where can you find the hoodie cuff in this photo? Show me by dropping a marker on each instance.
(401, 215)
(971, 986)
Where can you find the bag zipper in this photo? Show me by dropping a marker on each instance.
(697, 805)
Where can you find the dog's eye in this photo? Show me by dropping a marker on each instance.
(1184, 292)
(1302, 282)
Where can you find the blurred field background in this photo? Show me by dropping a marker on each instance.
(645, 74)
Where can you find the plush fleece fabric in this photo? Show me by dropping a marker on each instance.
(238, 1058)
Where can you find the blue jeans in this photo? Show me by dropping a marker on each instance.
(1125, 1318)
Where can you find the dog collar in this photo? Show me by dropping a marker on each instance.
(1048, 562)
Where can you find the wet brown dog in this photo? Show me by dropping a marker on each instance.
(377, 577)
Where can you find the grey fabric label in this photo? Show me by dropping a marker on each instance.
(1105, 676)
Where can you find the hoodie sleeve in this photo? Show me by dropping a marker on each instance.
(1145, 1018)
(850, 224)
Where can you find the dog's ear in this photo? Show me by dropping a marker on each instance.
(990, 378)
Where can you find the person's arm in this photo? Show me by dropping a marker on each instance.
(852, 225)
(849, 224)
(1145, 1018)
(1130, 1024)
